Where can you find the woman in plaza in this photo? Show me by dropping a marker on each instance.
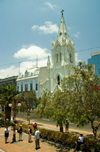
(29, 132)
(6, 134)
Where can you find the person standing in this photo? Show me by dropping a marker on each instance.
(6, 134)
(20, 130)
(29, 132)
(66, 125)
(35, 126)
(37, 138)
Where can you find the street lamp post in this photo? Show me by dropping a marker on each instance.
(14, 128)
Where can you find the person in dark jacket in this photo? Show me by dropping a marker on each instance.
(20, 130)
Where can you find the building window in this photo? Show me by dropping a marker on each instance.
(58, 80)
(36, 86)
(26, 87)
(57, 58)
(60, 56)
(31, 86)
(70, 57)
(21, 87)
(18, 88)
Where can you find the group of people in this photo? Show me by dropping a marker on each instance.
(20, 130)
(37, 135)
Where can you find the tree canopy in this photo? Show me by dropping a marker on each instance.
(7, 94)
(83, 100)
(78, 101)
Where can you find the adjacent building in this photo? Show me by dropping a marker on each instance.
(95, 60)
(9, 80)
(59, 66)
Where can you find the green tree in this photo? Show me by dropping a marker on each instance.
(44, 109)
(60, 107)
(83, 101)
(54, 107)
(7, 94)
(30, 99)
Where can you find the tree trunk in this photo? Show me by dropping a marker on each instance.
(94, 129)
(61, 128)
(7, 112)
(95, 132)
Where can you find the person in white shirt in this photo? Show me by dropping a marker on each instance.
(6, 134)
(79, 142)
(37, 137)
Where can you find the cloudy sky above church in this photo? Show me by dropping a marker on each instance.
(28, 27)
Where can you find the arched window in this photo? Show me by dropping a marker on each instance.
(60, 56)
(70, 57)
(31, 86)
(57, 57)
(58, 80)
(21, 87)
(26, 87)
(36, 86)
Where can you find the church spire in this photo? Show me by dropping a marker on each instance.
(62, 32)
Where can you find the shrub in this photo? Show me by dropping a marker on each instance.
(52, 136)
(89, 142)
(43, 133)
(98, 147)
(49, 132)
(59, 136)
(56, 136)
(62, 137)
(1, 115)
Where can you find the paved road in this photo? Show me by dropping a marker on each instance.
(35, 118)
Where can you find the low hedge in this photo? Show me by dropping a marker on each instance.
(56, 136)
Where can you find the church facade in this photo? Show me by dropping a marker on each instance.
(59, 66)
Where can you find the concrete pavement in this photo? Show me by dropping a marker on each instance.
(45, 145)
(24, 146)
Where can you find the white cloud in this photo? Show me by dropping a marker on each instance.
(13, 71)
(47, 6)
(50, 5)
(8, 72)
(77, 34)
(31, 52)
(48, 28)
(76, 58)
(29, 64)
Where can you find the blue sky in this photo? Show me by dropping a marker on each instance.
(27, 28)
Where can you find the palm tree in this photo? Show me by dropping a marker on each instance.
(7, 94)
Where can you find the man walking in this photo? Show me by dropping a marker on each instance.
(37, 138)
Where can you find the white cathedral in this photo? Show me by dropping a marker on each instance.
(60, 66)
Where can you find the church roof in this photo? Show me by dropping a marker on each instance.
(29, 73)
(62, 32)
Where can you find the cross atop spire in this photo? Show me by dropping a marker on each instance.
(62, 12)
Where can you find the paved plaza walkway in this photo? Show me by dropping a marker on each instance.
(24, 146)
